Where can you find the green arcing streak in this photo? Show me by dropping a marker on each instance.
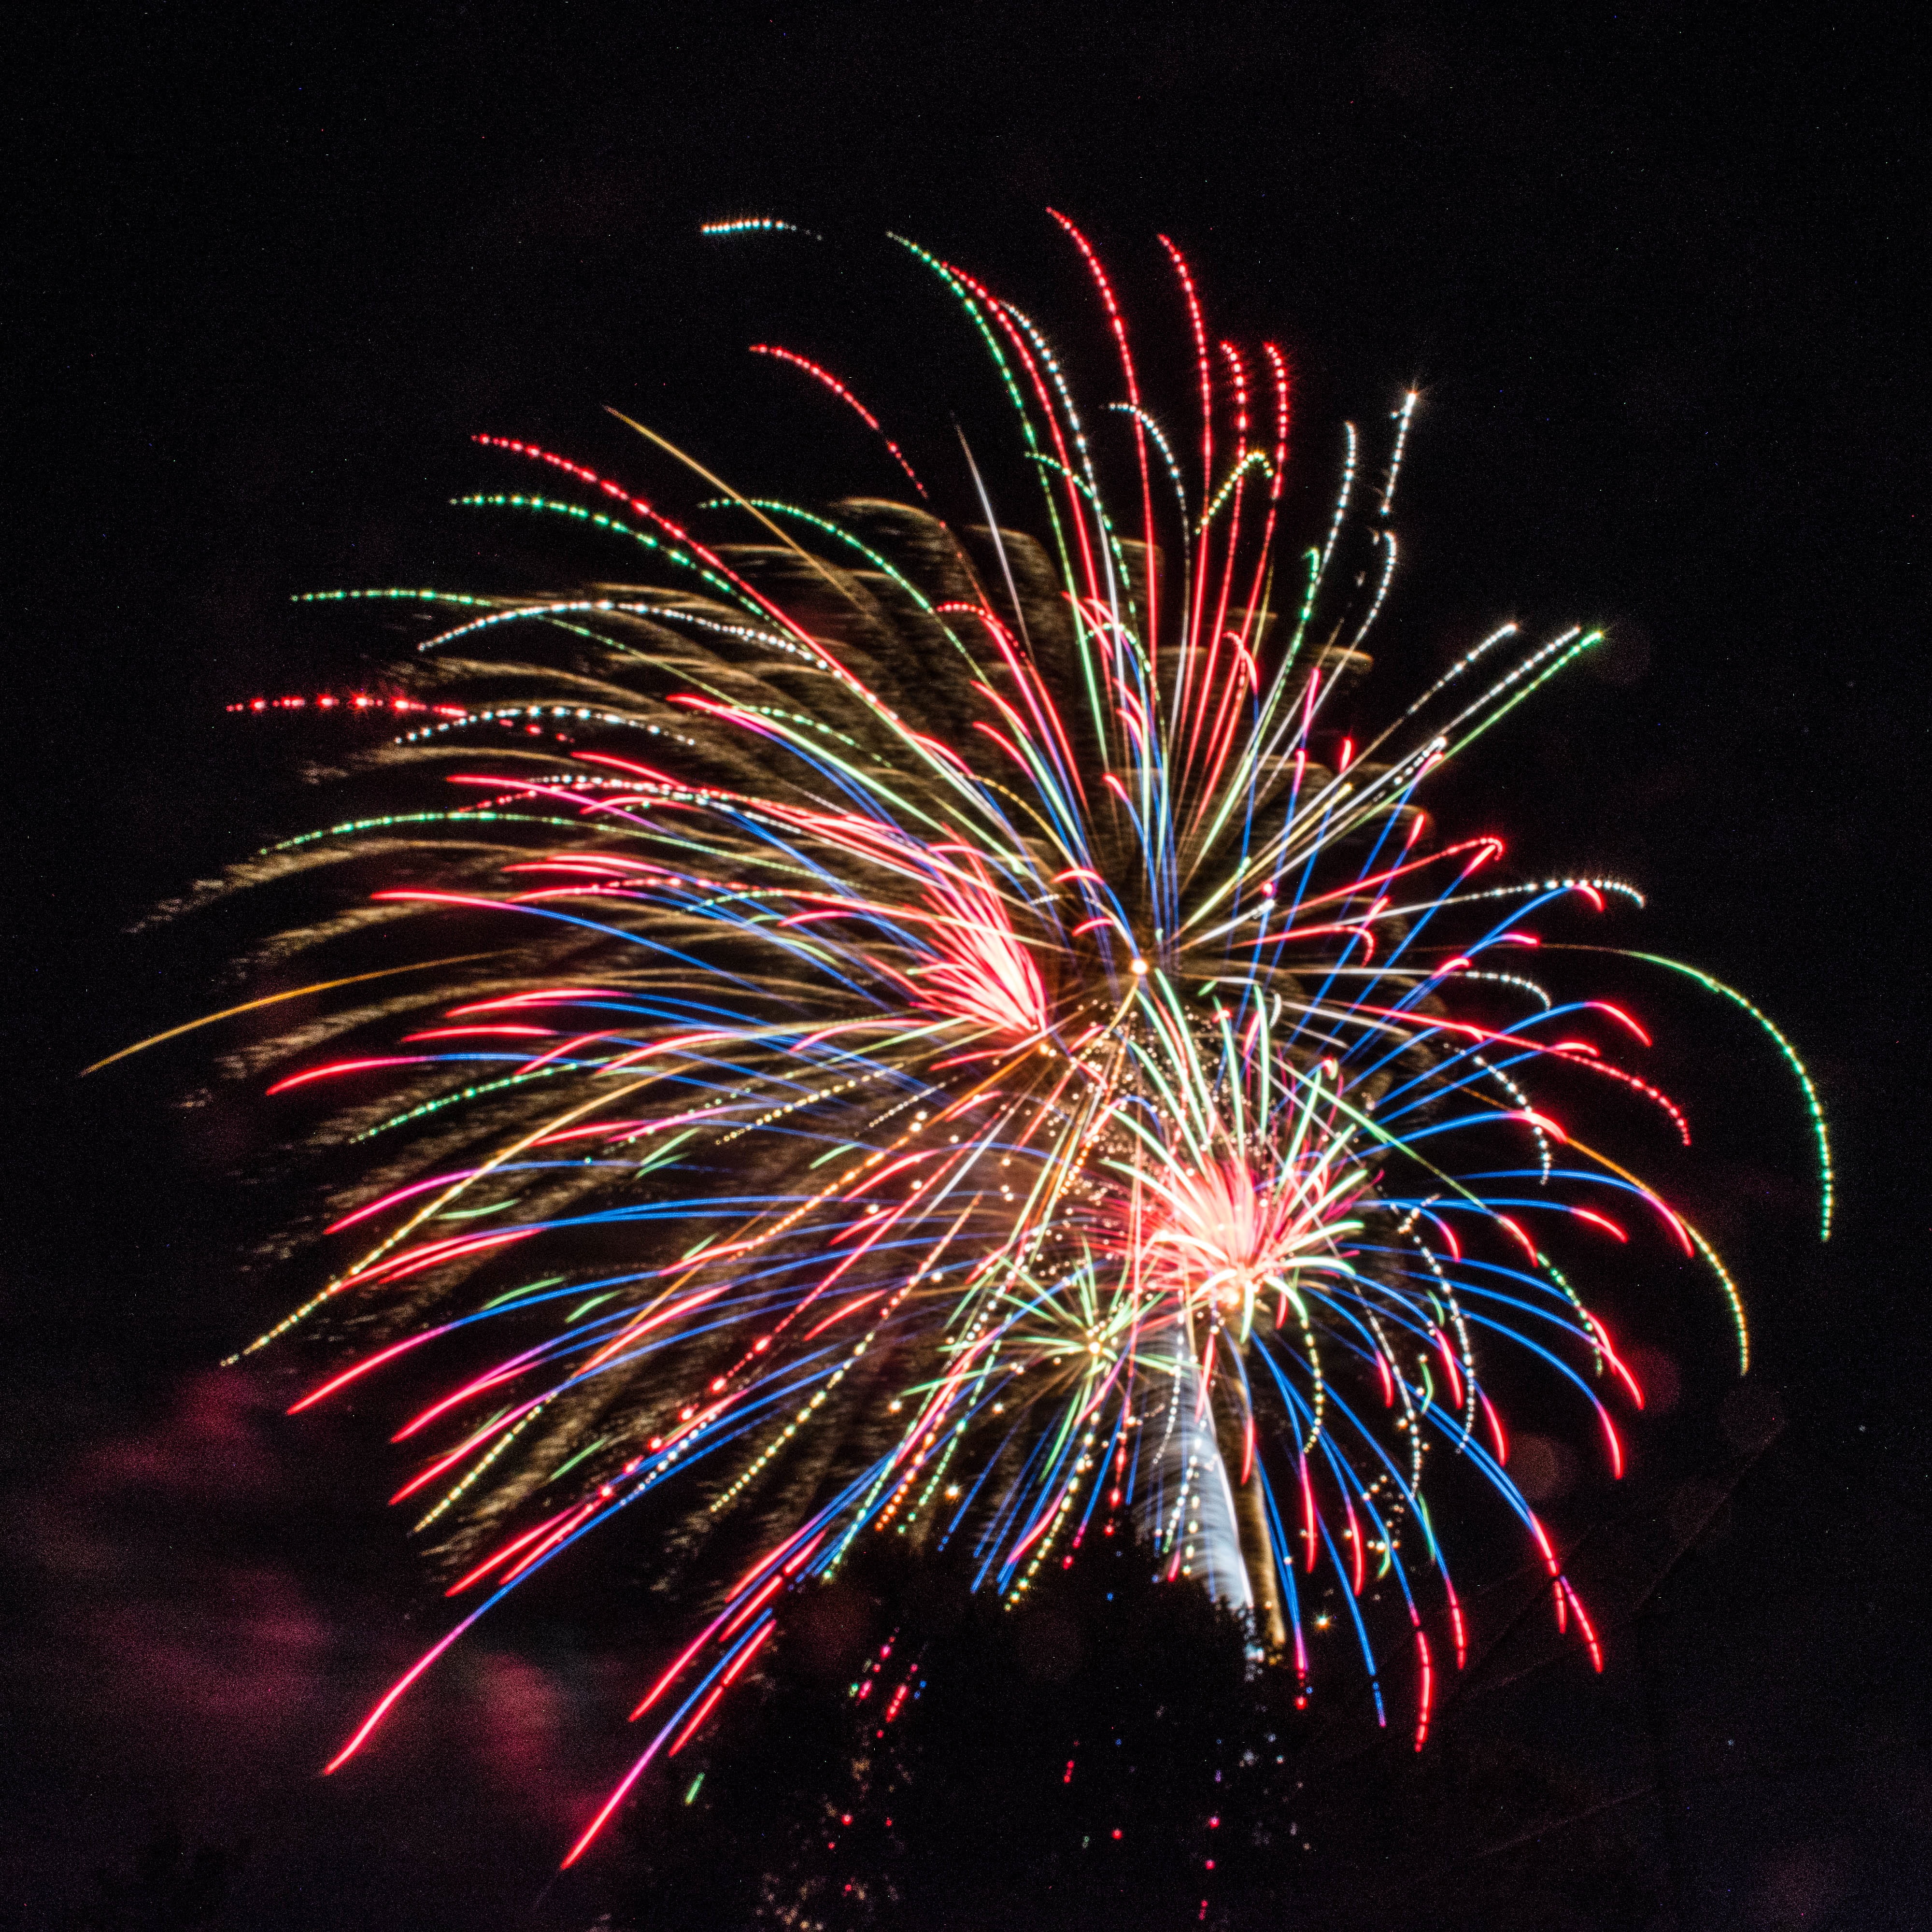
(1814, 1105)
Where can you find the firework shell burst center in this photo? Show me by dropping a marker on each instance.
(963, 1046)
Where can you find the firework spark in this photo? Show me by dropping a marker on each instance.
(975, 1051)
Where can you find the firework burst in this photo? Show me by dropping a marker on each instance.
(961, 1045)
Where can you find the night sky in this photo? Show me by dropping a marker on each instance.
(1656, 272)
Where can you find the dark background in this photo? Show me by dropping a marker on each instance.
(1657, 271)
